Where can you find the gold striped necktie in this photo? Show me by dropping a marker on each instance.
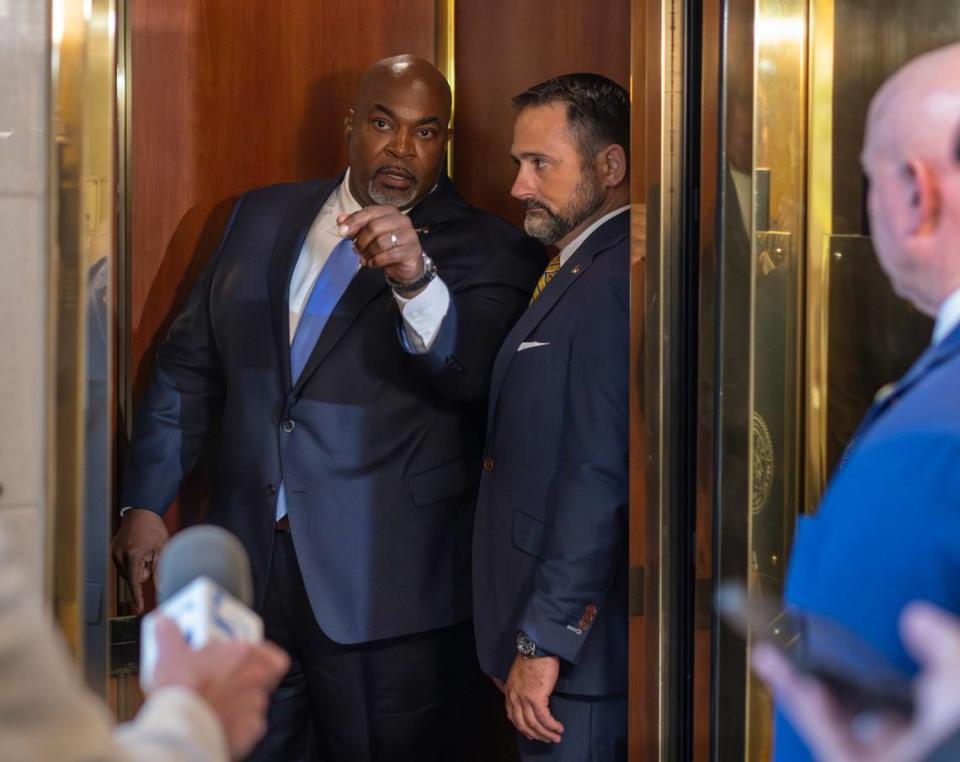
(553, 267)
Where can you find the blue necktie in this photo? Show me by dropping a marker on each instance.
(334, 277)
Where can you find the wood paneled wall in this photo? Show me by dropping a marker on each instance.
(503, 47)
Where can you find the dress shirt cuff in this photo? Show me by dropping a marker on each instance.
(174, 723)
(423, 315)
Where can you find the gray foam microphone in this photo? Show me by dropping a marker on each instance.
(205, 551)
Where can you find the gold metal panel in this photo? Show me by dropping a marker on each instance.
(446, 58)
(759, 345)
(657, 103)
(65, 337)
(82, 234)
(819, 227)
(849, 359)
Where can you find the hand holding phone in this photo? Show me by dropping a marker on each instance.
(932, 636)
(860, 678)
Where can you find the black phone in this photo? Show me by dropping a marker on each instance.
(859, 676)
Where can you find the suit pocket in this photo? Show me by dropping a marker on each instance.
(530, 534)
(440, 482)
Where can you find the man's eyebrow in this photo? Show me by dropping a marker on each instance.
(418, 123)
(528, 155)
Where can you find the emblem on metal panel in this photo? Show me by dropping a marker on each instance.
(763, 463)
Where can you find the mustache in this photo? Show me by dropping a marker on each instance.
(395, 169)
(532, 203)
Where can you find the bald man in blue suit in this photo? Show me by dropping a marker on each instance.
(888, 530)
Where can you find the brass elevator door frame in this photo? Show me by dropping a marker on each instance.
(796, 362)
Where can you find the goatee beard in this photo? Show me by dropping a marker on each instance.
(587, 198)
(392, 196)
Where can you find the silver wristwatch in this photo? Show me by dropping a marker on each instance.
(527, 647)
(411, 287)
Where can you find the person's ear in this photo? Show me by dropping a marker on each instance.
(348, 126)
(923, 197)
(612, 165)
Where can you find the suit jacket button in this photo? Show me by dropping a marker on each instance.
(488, 464)
(270, 490)
(287, 425)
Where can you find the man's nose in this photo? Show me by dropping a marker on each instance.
(402, 144)
(522, 187)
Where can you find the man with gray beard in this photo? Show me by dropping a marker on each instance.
(550, 536)
(343, 334)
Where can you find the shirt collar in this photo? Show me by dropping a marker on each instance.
(571, 248)
(948, 317)
(345, 200)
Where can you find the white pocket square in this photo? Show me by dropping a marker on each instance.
(532, 344)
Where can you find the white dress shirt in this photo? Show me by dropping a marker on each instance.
(948, 317)
(422, 315)
(571, 248)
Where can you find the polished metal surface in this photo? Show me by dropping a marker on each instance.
(852, 357)
(807, 326)
(82, 234)
(657, 181)
(446, 58)
(759, 317)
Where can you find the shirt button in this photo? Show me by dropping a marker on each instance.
(488, 464)
(287, 425)
(416, 316)
(270, 490)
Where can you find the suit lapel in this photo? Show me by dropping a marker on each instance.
(286, 250)
(605, 237)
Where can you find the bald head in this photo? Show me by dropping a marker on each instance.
(404, 72)
(911, 158)
(397, 132)
(917, 111)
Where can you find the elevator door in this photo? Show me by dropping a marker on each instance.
(808, 329)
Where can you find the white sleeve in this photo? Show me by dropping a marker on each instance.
(46, 712)
(424, 314)
(174, 725)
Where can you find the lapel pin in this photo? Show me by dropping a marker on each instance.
(575, 270)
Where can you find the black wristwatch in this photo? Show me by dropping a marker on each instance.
(528, 648)
(410, 288)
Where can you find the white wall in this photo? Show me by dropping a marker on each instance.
(24, 88)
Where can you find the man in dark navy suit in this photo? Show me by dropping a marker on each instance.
(344, 334)
(550, 537)
(888, 528)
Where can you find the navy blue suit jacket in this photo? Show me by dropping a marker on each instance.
(550, 537)
(888, 529)
(381, 462)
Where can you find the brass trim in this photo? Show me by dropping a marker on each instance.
(123, 688)
(445, 52)
(124, 375)
(81, 205)
(819, 230)
(66, 340)
(657, 102)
